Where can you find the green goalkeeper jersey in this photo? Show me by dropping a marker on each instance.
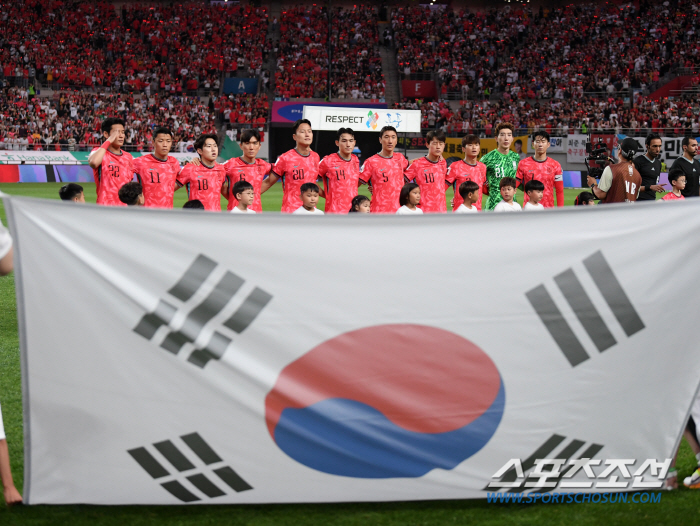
(498, 166)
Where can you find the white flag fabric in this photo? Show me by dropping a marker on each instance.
(175, 356)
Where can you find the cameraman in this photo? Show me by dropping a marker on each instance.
(649, 167)
(620, 182)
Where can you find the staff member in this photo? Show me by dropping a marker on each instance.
(620, 183)
(649, 167)
(690, 167)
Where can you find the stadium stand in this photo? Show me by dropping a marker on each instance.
(561, 117)
(356, 66)
(558, 53)
(302, 59)
(71, 120)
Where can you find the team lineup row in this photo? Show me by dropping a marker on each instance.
(385, 173)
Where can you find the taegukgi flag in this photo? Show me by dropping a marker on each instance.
(182, 357)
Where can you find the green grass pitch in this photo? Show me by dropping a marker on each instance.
(677, 507)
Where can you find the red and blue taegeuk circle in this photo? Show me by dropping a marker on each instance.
(386, 401)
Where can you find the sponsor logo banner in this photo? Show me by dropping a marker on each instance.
(206, 376)
(290, 111)
(362, 119)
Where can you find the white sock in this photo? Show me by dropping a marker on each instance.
(698, 458)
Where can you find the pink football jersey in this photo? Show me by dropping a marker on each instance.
(385, 176)
(430, 177)
(114, 172)
(547, 172)
(460, 172)
(295, 169)
(158, 179)
(340, 180)
(239, 170)
(204, 183)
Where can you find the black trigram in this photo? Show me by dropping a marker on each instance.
(515, 482)
(586, 312)
(201, 486)
(186, 287)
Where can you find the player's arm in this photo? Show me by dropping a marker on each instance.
(270, 180)
(181, 179)
(559, 187)
(520, 178)
(225, 186)
(96, 157)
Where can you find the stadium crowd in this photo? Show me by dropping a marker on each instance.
(149, 47)
(302, 56)
(356, 66)
(303, 65)
(561, 117)
(71, 119)
(557, 53)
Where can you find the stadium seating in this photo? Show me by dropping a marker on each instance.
(559, 117)
(71, 120)
(558, 53)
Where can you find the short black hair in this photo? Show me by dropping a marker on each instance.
(651, 137)
(69, 191)
(508, 181)
(343, 131)
(534, 184)
(407, 188)
(435, 134)
(108, 123)
(467, 187)
(674, 174)
(241, 186)
(298, 123)
(195, 204)
(248, 134)
(540, 133)
(202, 140)
(129, 193)
(584, 198)
(162, 131)
(386, 129)
(470, 139)
(306, 187)
(686, 141)
(356, 202)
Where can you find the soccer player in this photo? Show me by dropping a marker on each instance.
(500, 163)
(72, 192)
(205, 182)
(429, 173)
(157, 172)
(541, 168)
(468, 169)
(341, 174)
(690, 167)
(384, 173)
(247, 168)
(295, 167)
(112, 167)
